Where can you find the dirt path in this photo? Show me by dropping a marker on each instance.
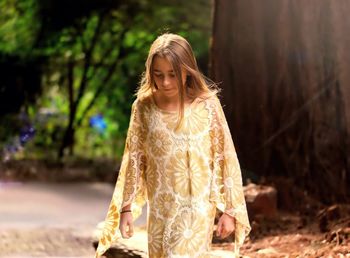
(59, 220)
(50, 220)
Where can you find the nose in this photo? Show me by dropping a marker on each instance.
(166, 81)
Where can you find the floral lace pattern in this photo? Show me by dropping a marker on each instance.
(184, 174)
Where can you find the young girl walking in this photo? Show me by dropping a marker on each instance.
(179, 157)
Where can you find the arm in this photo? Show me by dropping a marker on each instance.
(130, 191)
(226, 226)
(126, 225)
(228, 177)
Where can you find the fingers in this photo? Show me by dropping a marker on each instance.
(131, 229)
(126, 226)
(225, 227)
(127, 233)
(225, 233)
(219, 228)
(222, 231)
(122, 229)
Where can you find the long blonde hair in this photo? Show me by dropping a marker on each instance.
(179, 53)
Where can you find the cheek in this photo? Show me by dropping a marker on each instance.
(174, 82)
(156, 81)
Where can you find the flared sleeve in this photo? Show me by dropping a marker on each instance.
(227, 189)
(130, 187)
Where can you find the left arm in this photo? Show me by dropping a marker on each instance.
(226, 226)
(228, 173)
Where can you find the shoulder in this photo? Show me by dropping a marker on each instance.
(141, 104)
(216, 109)
(212, 101)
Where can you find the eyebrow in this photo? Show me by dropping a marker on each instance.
(156, 70)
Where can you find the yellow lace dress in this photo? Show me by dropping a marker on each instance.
(183, 174)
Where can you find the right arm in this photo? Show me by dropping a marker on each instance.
(134, 171)
(126, 225)
(130, 191)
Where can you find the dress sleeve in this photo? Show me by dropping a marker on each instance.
(227, 189)
(130, 186)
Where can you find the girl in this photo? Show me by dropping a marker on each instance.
(180, 158)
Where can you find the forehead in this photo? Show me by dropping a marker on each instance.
(161, 64)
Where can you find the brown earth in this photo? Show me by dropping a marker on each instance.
(308, 230)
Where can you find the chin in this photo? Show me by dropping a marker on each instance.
(171, 93)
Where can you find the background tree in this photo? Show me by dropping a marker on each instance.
(284, 69)
(91, 59)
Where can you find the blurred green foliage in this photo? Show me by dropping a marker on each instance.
(19, 26)
(90, 64)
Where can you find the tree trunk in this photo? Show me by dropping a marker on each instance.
(283, 68)
(68, 138)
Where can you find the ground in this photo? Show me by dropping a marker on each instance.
(50, 219)
(291, 235)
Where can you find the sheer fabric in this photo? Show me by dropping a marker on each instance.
(184, 174)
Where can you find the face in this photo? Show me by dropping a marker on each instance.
(165, 78)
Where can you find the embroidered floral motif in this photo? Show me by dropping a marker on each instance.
(188, 234)
(160, 143)
(155, 237)
(188, 173)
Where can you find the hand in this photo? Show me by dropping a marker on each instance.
(126, 223)
(226, 226)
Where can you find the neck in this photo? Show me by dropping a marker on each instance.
(171, 100)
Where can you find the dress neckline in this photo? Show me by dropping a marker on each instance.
(188, 107)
